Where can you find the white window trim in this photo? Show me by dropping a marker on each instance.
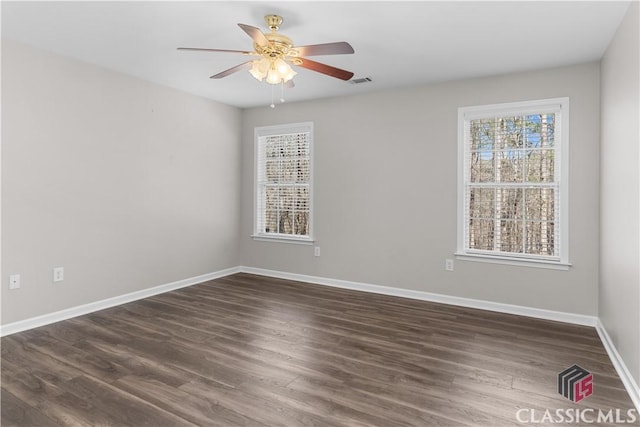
(484, 111)
(282, 129)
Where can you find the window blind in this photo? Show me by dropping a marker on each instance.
(283, 184)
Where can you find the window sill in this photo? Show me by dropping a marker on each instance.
(505, 260)
(283, 239)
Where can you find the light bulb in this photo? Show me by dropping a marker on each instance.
(285, 70)
(282, 67)
(273, 77)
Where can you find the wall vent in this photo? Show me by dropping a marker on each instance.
(360, 80)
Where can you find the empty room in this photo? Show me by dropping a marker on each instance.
(230, 213)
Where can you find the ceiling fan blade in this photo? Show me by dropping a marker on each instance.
(338, 48)
(245, 52)
(255, 34)
(225, 73)
(325, 69)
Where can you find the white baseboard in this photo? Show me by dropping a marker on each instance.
(57, 316)
(539, 313)
(34, 322)
(621, 368)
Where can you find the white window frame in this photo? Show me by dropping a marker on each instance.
(465, 114)
(282, 129)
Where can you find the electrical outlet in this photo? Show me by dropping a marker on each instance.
(316, 251)
(58, 274)
(14, 281)
(448, 264)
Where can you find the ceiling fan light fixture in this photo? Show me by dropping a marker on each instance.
(275, 72)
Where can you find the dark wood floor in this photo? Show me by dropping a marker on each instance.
(254, 351)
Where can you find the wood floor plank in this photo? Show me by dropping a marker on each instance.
(17, 413)
(117, 407)
(196, 409)
(248, 350)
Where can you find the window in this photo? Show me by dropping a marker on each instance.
(283, 184)
(512, 195)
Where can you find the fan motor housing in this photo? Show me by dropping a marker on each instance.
(279, 45)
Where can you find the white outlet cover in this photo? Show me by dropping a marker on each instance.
(58, 274)
(14, 281)
(448, 265)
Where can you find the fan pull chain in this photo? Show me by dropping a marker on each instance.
(273, 105)
(273, 88)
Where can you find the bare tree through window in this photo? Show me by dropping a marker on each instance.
(511, 188)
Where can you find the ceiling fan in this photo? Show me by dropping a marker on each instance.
(277, 52)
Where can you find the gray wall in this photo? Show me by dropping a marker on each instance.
(385, 191)
(126, 184)
(620, 190)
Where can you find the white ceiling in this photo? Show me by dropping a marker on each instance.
(396, 43)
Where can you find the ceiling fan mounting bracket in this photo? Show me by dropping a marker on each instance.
(273, 22)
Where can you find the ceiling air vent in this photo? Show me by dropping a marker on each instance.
(360, 80)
